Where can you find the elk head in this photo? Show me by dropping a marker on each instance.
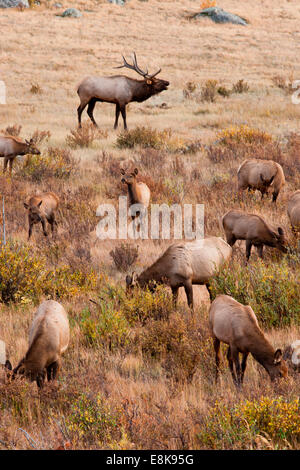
(279, 367)
(151, 84)
(129, 178)
(34, 212)
(31, 147)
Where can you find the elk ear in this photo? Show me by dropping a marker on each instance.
(26, 205)
(149, 82)
(135, 171)
(39, 204)
(122, 171)
(8, 365)
(277, 356)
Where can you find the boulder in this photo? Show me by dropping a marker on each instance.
(13, 3)
(71, 12)
(218, 15)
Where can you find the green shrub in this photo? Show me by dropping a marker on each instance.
(106, 326)
(93, 421)
(239, 426)
(271, 290)
(144, 137)
(56, 163)
(24, 276)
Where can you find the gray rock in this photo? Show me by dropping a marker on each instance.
(72, 12)
(117, 2)
(57, 5)
(13, 3)
(218, 15)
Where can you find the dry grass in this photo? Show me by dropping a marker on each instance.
(143, 387)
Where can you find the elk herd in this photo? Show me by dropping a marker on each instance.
(183, 264)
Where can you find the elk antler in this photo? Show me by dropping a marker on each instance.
(136, 68)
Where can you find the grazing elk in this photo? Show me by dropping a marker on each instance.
(236, 325)
(41, 208)
(261, 175)
(185, 264)
(294, 211)
(11, 146)
(119, 90)
(239, 225)
(48, 338)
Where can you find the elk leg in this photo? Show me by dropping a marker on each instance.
(275, 196)
(52, 222)
(5, 164)
(188, 287)
(230, 363)
(10, 165)
(248, 249)
(117, 115)
(44, 227)
(40, 379)
(52, 371)
(79, 112)
(90, 110)
(230, 239)
(237, 365)
(260, 251)
(175, 294)
(217, 344)
(244, 364)
(123, 112)
(29, 231)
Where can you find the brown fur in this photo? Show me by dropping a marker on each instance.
(261, 175)
(11, 146)
(293, 210)
(48, 339)
(239, 225)
(119, 90)
(236, 325)
(185, 264)
(41, 208)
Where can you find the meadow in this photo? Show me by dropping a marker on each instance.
(139, 374)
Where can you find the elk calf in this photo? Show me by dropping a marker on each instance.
(41, 208)
(11, 146)
(236, 325)
(294, 211)
(254, 229)
(138, 192)
(261, 175)
(119, 90)
(185, 264)
(48, 338)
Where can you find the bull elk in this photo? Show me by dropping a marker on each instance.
(119, 90)
(236, 324)
(11, 146)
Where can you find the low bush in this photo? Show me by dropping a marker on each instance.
(85, 136)
(124, 256)
(268, 422)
